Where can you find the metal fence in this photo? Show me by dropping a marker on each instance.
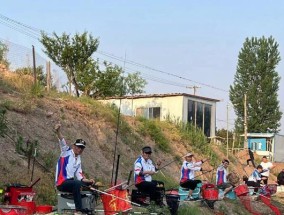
(20, 57)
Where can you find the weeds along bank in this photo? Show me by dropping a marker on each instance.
(28, 114)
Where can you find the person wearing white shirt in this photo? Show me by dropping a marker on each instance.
(267, 166)
(143, 171)
(69, 175)
(255, 178)
(222, 175)
(187, 178)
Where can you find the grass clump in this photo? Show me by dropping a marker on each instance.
(153, 129)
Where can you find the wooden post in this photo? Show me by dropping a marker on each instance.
(245, 123)
(48, 76)
(34, 64)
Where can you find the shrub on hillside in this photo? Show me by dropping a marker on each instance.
(153, 129)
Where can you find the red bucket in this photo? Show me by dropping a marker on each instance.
(210, 194)
(44, 209)
(241, 190)
(113, 205)
(31, 207)
(12, 210)
(172, 192)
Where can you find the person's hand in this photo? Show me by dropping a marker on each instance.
(99, 184)
(149, 172)
(92, 181)
(159, 162)
(57, 127)
(204, 160)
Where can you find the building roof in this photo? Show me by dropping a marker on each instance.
(162, 95)
(259, 135)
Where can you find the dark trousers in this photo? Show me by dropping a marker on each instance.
(252, 161)
(280, 182)
(265, 181)
(190, 184)
(150, 187)
(74, 187)
(254, 184)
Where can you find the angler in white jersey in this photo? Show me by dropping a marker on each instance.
(143, 171)
(69, 176)
(187, 178)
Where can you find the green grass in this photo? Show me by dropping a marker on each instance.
(153, 129)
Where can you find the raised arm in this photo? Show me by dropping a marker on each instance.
(62, 143)
(57, 129)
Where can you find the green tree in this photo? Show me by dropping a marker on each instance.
(3, 51)
(135, 84)
(40, 75)
(110, 82)
(257, 77)
(73, 55)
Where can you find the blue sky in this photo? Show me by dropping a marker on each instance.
(196, 40)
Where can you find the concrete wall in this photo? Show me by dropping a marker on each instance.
(279, 148)
(174, 107)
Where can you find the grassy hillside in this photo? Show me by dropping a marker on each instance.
(28, 114)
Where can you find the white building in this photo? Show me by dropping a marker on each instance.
(200, 111)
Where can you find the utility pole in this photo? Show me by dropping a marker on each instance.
(245, 122)
(194, 88)
(34, 64)
(227, 130)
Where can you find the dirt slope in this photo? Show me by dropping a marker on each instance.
(33, 119)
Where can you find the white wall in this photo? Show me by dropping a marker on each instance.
(173, 106)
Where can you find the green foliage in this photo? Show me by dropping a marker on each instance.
(73, 55)
(26, 148)
(110, 82)
(257, 77)
(192, 210)
(135, 84)
(196, 139)
(3, 51)
(49, 159)
(3, 122)
(40, 75)
(153, 129)
(153, 208)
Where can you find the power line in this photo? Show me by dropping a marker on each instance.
(22, 29)
(19, 23)
(157, 70)
(19, 30)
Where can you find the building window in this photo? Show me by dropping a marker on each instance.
(199, 114)
(149, 113)
(207, 119)
(191, 112)
(154, 113)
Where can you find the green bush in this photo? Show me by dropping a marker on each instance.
(153, 129)
(3, 122)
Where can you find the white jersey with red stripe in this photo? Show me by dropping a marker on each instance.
(68, 166)
(141, 165)
(188, 170)
(221, 175)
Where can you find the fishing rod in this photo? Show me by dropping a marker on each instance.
(108, 194)
(177, 160)
(116, 136)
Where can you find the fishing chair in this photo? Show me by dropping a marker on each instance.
(183, 192)
(65, 201)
